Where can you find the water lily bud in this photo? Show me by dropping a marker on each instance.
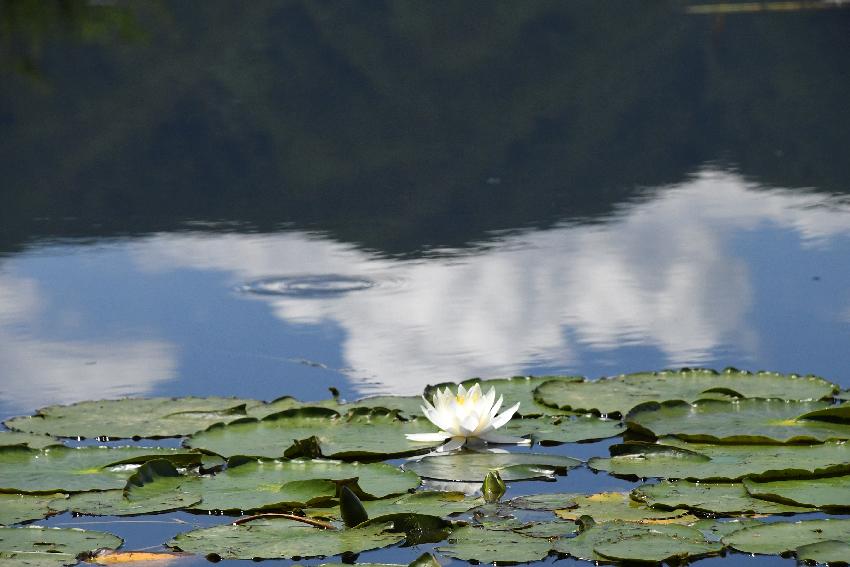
(493, 488)
(351, 508)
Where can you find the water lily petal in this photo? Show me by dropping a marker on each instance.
(493, 437)
(438, 436)
(470, 425)
(504, 417)
(496, 407)
(453, 444)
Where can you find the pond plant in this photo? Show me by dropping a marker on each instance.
(723, 462)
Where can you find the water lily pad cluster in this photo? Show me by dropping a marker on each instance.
(711, 455)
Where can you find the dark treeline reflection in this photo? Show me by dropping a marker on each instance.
(399, 125)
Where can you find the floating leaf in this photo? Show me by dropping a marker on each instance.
(832, 552)
(606, 536)
(259, 484)
(417, 528)
(548, 530)
(50, 546)
(608, 506)
(155, 487)
(31, 440)
(620, 394)
(422, 502)
(749, 421)
(473, 467)
(655, 547)
(518, 389)
(547, 502)
(564, 429)
(838, 414)
(65, 469)
(281, 538)
(488, 546)
(672, 458)
(362, 434)
(406, 406)
(830, 493)
(283, 403)
(716, 498)
(715, 530)
(132, 417)
(783, 537)
(16, 508)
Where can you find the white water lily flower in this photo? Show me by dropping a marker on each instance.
(467, 415)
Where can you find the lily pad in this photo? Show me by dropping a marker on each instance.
(469, 466)
(50, 546)
(608, 506)
(361, 434)
(517, 389)
(832, 552)
(155, 487)
(674, 458)
(548, 530)
(564, 429)
(282, 538)
(748, 421)
(783, 537)
(488, 546)
(16, 508)
(65, 469)
(406, 406)
(831, 493)
(260, 410)
(131, 417)
(716, 498)
(715, 530)
(640, 540)
(543, 502)
(259, 484)
(620, 394)
(31, 440)
(422, 502)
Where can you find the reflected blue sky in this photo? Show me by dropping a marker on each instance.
(713, 271)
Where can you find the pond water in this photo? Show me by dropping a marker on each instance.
(208, 198)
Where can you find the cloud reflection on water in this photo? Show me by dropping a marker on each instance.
(662, 273)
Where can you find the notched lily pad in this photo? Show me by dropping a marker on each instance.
(749, 421)
(674, 458)
(608, 506)
(715, 498)
(51, 546)
(489, 546)
(361, 434)
(620, 394)
(564, 429)
(282, 538)
(16, 508)
(470, 466)
(784, 537)
(831, 494)
(65, 469)
(132, 417)
(517, 389)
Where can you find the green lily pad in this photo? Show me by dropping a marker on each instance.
(564, 429)
(31, 440)
(607, 536)
(655, 547)
(155, 487)
(281, 538)
(361, 434)
(620, 394)
(608, 506)
(548, 530)
(469, 466)
(131, 417)
(424, 502)
(715, 530)
(783, 537)
(543, 502)
(65, 469)
(260, 484)
(518, 389)
(36, 546)
(488, 546)
(674, 458)
(16, 508)
(260, 410)
(832, 552)
(837, 414)
(748, 421)
(716, 498)
(406, 406)
(830, 493)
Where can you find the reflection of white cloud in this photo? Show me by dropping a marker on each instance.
(36, 372)
(661, 273)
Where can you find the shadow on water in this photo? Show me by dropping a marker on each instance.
(398, 126)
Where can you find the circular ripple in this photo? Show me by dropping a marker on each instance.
(307, 286)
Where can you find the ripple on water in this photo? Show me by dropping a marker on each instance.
(320, 285)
